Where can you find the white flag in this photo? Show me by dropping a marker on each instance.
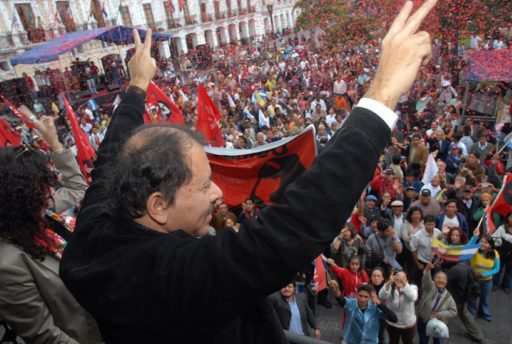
(431, 170)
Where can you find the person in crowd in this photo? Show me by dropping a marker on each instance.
(352, 277)
(436, 302)
(376, 282)
(503, 239)
(33, 299)
(427, 204)
(399, 295)
(482, 148)
(363, 315)
(418, 154)
(451, 218)
(229, 223)
(466, 204)
(387, 182)
(411, 196)
(249, 210)
(421, 248)
(397, 216)
(221, 215)
(411, 180)
(145, 220)
(479, 211)
(382, 247)
(371, 213)
(413, 224)
(485, 263)
(463, 284)
(472, 170)
(435, 186)
(347, 245)
(293, 311)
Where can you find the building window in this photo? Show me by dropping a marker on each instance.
(96, 11)
(150, 20)
(66, 17)
(125, 15)
(169, 14)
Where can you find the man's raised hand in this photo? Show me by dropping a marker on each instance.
(402, 53)
(142, 66)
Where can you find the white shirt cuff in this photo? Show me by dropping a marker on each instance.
(381, 110)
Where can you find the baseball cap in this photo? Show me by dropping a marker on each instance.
(425, 192)
(371, 198)
(389, 172)
(410, 188)
(397, 203)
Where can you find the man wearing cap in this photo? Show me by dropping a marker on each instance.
(427, 204)
(396, 216)
(386, 182)
(466, 205)
(410, 180)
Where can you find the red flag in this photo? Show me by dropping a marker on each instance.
(207, 115)
(263, 172)
(489, 223)
(319, 278)
(503, 203)
(181, 4)
(18, 113)
(85, 151)
(155, 95)
(8, 135)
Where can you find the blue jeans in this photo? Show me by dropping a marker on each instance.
(422, 332)
(483, 306)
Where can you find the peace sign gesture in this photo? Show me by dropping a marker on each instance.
(142, 66)
(403, 52)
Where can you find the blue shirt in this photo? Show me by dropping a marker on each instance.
(361, 326)
(295, 323)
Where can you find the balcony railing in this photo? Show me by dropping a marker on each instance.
(220, 15)
(25, 39)
(174, 23)
(190, 20)
(206, 17)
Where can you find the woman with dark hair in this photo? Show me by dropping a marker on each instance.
(33, 300)
(376, 282)
(485, 263)
(346, 245)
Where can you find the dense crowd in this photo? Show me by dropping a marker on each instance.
(382, 269)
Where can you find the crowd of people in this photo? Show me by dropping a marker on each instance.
(383, 273)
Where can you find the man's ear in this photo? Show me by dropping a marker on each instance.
(157, 208)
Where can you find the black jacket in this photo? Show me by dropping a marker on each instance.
(284, 313)
(143, 286)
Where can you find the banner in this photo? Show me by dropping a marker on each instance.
(207, 117)
(262, 172)
(319, 277)
(503, 203)
(155, 95)
(453, 253)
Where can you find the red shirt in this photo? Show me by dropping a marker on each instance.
(351, 281)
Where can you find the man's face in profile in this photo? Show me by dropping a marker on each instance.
(194, 202)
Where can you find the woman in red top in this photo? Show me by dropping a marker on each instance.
(352, 278)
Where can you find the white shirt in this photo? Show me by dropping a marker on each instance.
(340, 87)
(450, 222)
(421, 243)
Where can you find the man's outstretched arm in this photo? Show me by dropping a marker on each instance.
(127, 116)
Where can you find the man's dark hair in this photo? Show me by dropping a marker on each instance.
(416, 136)
(429, 218)
(450, 201)
(153, 159)
(383, 224)
(476, 154)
